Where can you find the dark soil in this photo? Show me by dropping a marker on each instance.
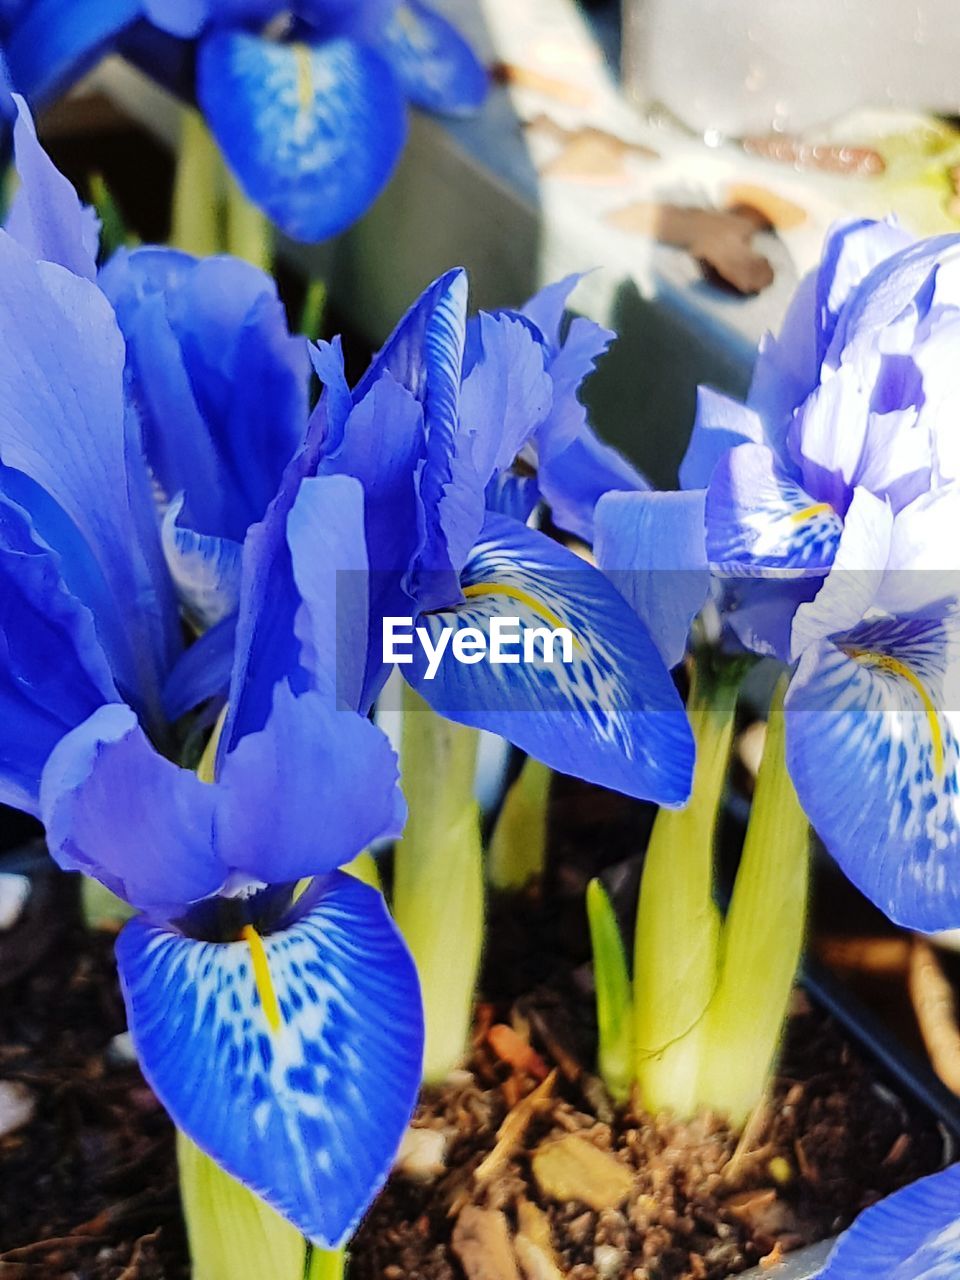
(88, 1189)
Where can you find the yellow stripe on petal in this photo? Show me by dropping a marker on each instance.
(808, 513)
(885, 662)
(305, 90)
(261, 975)
(522, 597)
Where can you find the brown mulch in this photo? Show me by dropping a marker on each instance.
(833, 1139)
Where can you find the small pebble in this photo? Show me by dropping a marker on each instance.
(609, 1261)
(17, 1106)
(14, 894)
(422, 1155)
(120, 1050)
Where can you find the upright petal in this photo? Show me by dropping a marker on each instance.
(912, 1235)
(651, 547)
(851, 252)
(297, 1068)
(872, 750)
(313, 132)
(117, 810)
(759, 519)
(46, 215)
(574, 480)
(220, 383)
(204, 568)
(307, 793)
(720, 425)
(53, 673)
(436, 67)
(610, 715)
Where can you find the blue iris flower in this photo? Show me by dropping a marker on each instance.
(434, 430)
(912, 1235)
(278, 1021)
(308, 100)
(816, 517)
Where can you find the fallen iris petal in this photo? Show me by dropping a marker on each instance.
(303, 1095)
(313, 132)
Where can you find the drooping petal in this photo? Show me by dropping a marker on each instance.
(204, 568)
(46, 215)
(53, 673)
(720, 425)
(117, 810)
(307, 793)
(759, 519)
(651, 547)
(611, 715)
(297, 1068)
(872, 750)
(912, 1235)
(54, 42)
(313, 132)
(435, 65)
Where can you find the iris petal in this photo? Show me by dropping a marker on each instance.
(307, 1111)
(53, 673)
(435, 65)
(611, 716)
(651, 547)
(872, 751)
(758, 519)
(117, 810)
(46, 215)
(205, 569)
(313, 132)
(55, 41)
(720, 425)
(306, 793)
(912, 1235)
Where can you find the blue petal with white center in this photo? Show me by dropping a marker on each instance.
(435, 65)
(611, 715)
(759, 519)
(293, 1060)
(313, 132)
(912, 1235)
(872, 751)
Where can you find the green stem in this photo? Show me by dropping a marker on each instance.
(614, 997)
(438, 876)
(249, 234)
(233, 1235)
(676, 946)
(518, 848)
(763, 939)
(198, 189)
(321, 1264)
